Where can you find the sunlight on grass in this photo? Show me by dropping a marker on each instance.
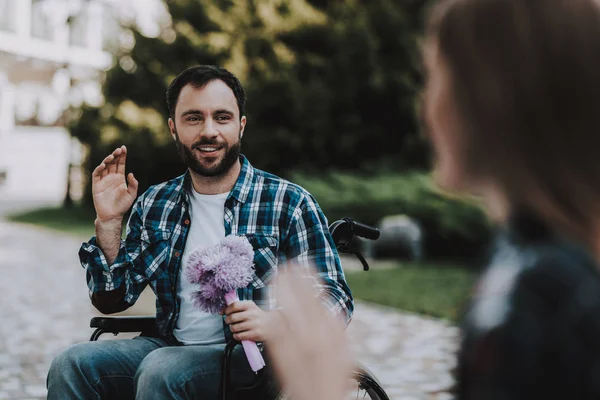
(435, 290)
(77, 221)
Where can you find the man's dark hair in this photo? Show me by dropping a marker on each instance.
(199, 76)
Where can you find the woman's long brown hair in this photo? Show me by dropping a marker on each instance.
(525, 76)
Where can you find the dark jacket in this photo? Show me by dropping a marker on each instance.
(532, 330)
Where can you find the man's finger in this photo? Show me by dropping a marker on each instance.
(232, 319)
(133, 184)
(97, 174)
(239, 327)
(236, 317)
(238, 306)
(247, 335)
(112, 165)
(230, 309)
(105, 170)
(108, 159)
(122, 159)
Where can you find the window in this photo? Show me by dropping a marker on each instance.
(7, 15)
(41, 22)
(78, 27)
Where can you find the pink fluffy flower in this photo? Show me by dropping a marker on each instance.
(218, 270)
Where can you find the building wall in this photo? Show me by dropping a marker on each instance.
(37, 46)
(36, 161)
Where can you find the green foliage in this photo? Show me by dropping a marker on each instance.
(330, 85)
(454, 228)
(348, 98)
(436, 290)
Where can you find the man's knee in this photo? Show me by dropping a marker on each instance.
(98, 369)
(75, 360)
(158, 372)
(72, 373)
(176, 373)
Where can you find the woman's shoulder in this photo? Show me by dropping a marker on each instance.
(533, 324)
(550, 265)
(532, 270)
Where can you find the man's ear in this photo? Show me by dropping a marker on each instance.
(242, 125)
(172, 128)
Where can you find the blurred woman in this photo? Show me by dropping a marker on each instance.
(512, 107)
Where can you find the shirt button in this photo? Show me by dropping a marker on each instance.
(187, 222)
(172, 288)
(177, 254)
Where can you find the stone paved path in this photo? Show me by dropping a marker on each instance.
(44, 308)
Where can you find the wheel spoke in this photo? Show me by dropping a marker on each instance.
(365, 393)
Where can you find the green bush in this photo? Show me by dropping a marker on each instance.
(454, 228)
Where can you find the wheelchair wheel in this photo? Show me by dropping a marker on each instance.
(364, 386)
(367, 386)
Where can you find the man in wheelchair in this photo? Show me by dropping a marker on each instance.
(220, 194)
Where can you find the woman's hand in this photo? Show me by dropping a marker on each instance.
(308, 350)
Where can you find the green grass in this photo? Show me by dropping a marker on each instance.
(434, 290)
(77, 221)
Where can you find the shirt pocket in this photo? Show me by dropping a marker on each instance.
(265, 258)
(155, 252)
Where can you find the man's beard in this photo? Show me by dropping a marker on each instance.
(216, 169)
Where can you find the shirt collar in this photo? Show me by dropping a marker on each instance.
(242, 186)
(240, 190)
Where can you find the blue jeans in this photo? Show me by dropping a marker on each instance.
(142, 368)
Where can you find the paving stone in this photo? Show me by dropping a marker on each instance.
(36, 390)
(11, 385)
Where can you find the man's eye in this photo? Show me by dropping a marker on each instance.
(193, 119)
(222, 118)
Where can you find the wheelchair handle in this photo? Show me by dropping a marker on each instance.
(362, 230)
(344, 230)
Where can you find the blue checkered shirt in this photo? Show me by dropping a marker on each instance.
(282, 221)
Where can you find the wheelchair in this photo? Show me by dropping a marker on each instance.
(265, 387)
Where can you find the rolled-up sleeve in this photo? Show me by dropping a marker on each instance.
(124, 271)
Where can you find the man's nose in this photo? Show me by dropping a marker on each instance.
(210, 128)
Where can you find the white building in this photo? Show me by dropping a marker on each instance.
(53, 54)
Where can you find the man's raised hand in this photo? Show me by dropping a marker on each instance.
(112, 195)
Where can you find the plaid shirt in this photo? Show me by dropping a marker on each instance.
(282, 221)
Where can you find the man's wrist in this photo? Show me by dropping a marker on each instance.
(108, 237)
(108, 224)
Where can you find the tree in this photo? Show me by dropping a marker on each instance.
(330, 84)
(347, 100)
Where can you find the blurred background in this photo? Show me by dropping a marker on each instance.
(333, 94)
(333, 105)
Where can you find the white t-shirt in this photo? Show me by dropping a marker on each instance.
(206, 229)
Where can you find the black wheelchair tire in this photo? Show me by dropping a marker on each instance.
(367, 381)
